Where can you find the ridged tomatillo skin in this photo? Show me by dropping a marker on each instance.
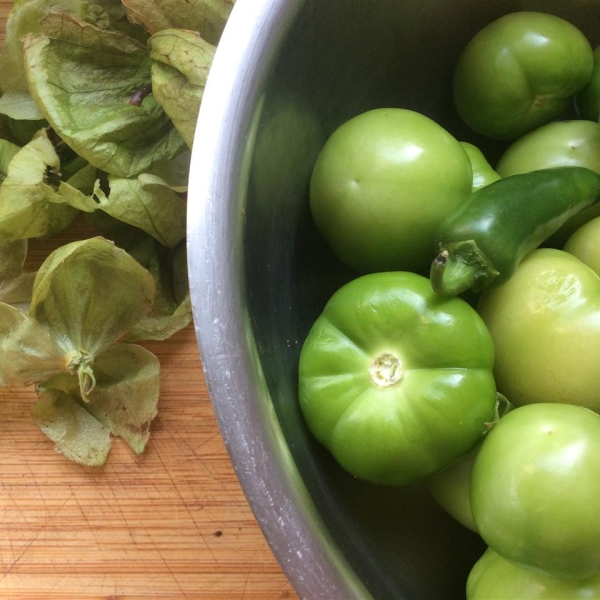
(494, 578)
(535, 489)
(545, 323)
(442, 392)
(520, 72)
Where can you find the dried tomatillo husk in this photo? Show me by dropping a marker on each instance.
(172, 309)
(146, 202)
(20, 132)
(24, 17)
(7, 153)
(102, 222)
(62, 417)
(207, 17)
(16, 285)
(83, 78)
(174, 172)
(27, 352)
(88, 294)
(26, 206)
(182, 60)
(125, 397)
(78, 173)
(12, 259)
(123, 403)
(110, 14)
(30, 206)
(17, 292)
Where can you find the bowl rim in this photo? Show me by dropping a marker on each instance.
(254, 440)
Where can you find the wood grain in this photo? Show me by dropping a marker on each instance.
(173, 523)
(4, 9)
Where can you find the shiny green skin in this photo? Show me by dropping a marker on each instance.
(545, 323)
(514, 215)
(382, 184)
(585, 244)
(535, 489)
(519, 72)
(494, 578)
(483, 174)
(588, 100)
(559, 144)
(451, 489)
(429, 416)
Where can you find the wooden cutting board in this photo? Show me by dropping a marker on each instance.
(173, 523)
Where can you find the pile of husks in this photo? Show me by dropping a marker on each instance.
(97, 117)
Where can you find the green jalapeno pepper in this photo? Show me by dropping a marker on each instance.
(485, 239)
(396, 381)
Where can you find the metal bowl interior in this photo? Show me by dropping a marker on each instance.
(286, 74)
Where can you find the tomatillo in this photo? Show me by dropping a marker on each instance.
(451, 487)
(545, 323)
(494, 578)
(559, 144)
(483, 174)
(395, 380)
(584, 243)
(588, 100)
(381, 186)
(519, 72)
(535, 489)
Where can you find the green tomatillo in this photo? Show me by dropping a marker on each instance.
(395, 380)
(494, 578)
(451, 487)
(545, 323)
(584, 243)
(588, 100)
(483, 174)
(535, 486)
(381, 186)
(519, 72)
(574, 143)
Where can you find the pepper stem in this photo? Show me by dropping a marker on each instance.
(461, 266)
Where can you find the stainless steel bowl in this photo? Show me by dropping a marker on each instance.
(286, 74)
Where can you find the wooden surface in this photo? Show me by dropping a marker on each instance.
(171, 524)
